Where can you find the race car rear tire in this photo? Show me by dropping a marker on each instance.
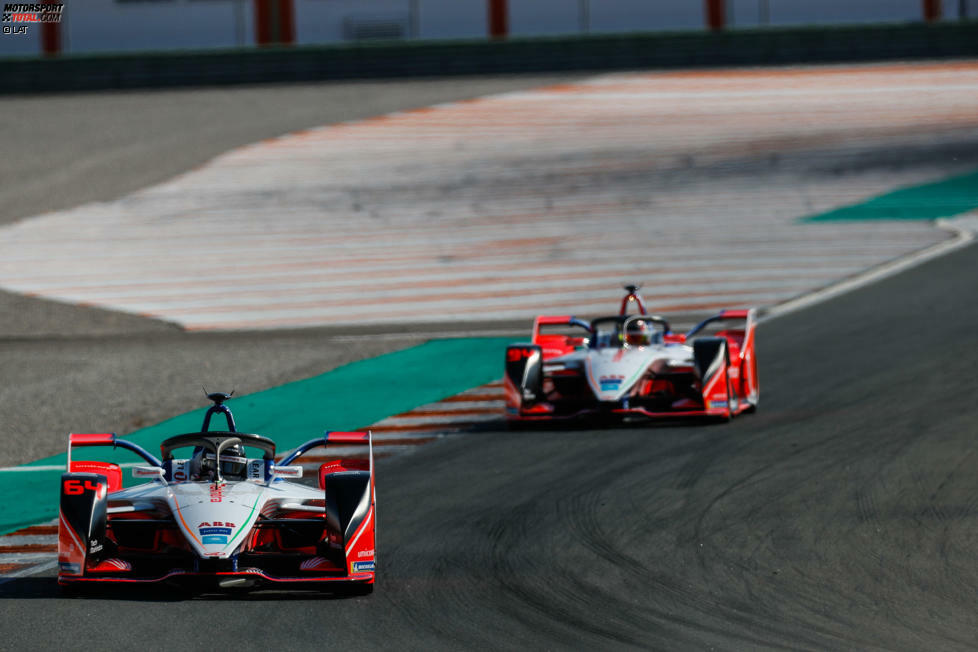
(75, 590)
(362, 589)
(352, 590)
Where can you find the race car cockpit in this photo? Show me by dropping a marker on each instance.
(626, 331)
(217, 455)
(233, 464)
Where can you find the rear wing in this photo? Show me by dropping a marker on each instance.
(748, 315)
(553, 345)
(738, 334)
(80, 439)
(557, 320)
(334, 438)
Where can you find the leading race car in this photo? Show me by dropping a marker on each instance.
(633, 364)
(219, 518)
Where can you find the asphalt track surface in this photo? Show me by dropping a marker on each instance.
(841, 515)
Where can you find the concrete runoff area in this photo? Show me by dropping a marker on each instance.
(61, 151)
(496, 205)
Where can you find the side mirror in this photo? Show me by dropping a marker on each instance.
(153, 472)
(287, 471)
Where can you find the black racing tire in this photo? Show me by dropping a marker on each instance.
(365, 589)
(512, 425)
(357, 589)
(71, 590)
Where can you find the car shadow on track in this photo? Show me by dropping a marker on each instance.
(47, 588)
(597, 423)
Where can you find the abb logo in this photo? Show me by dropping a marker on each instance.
(78, 487)
(515, 355)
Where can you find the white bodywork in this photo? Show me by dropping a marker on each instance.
(216, 517)
(612, 372)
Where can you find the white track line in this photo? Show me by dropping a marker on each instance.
(964, 234)
(14, 540)
(29, 570)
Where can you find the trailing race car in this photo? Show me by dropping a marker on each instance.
(219, 518)
(633, 365)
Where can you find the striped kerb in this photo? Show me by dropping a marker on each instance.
(506, 205)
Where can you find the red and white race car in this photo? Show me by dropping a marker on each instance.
(633, 364)
(219, 519)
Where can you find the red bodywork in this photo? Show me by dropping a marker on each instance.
(729, 386)
(279, 553)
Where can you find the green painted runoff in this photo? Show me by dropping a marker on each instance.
(929, 201)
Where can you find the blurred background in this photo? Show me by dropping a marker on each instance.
(149, 25)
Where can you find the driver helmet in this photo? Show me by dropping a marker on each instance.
(234, 464)
(638, 333)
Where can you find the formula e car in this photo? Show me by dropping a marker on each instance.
(219, 519)
(633, 365)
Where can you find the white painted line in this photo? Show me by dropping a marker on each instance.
(13, 540)
(25, 557)
(963, 236)
(31, 570)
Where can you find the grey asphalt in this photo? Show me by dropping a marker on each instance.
(842, 515)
